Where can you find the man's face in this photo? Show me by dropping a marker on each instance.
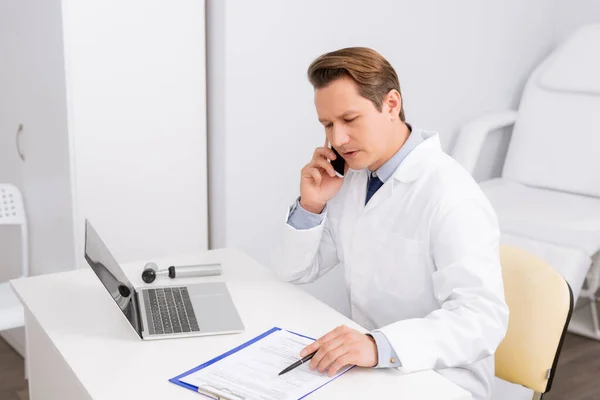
(353, 125)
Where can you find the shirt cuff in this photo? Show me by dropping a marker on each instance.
(387, 357)
(301, 219)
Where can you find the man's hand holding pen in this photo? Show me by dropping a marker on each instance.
(340, 347)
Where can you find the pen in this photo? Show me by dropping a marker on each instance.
(298, 363)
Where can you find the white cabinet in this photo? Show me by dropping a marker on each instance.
(111, 95)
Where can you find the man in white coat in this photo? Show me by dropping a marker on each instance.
(416, 236)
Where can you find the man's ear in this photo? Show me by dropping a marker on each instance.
(392, 103)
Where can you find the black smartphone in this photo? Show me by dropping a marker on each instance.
(339, 164)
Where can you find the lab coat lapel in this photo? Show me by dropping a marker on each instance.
(415, 164)
(422, 158)
(380, 196)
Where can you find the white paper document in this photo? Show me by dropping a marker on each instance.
(252, 372)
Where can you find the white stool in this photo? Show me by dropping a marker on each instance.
(12, 212)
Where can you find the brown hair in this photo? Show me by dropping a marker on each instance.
(373, 74)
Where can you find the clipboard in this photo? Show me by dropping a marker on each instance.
(217, 396)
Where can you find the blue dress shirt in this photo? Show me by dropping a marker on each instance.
(302, 219)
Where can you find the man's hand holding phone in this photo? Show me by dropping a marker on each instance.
(319, 182)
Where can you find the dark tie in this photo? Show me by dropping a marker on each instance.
(374, 185)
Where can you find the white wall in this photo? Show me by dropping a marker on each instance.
(455, 61)
(136, 103)
(572, 14)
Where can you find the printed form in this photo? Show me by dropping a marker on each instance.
(252, 372)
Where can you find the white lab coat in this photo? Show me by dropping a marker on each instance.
(421, 264)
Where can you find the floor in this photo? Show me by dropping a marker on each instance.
(577, 376)
(12, 374)
(576, 379)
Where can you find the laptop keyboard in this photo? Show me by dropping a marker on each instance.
(169, 310)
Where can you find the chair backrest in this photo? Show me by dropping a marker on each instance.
(12, 210)
(556, 139)
(540, 304)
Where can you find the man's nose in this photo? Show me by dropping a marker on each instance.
(339, 136)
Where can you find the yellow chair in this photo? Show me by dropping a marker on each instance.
(540, 303)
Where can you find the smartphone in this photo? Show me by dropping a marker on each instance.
(339, 164)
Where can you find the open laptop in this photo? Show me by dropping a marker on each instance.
(168, 311)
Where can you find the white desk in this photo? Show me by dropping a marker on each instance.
(80, 346)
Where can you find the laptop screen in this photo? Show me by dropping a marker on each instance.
(112, 276)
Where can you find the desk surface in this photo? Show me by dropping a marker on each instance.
(110, 361)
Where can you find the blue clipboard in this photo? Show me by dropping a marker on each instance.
(176, 380)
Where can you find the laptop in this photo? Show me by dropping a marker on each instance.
(163, 312)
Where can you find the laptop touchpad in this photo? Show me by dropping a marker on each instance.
(214, 307)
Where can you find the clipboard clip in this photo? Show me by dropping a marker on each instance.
(218, 393)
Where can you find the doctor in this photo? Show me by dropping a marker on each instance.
(417, 238)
